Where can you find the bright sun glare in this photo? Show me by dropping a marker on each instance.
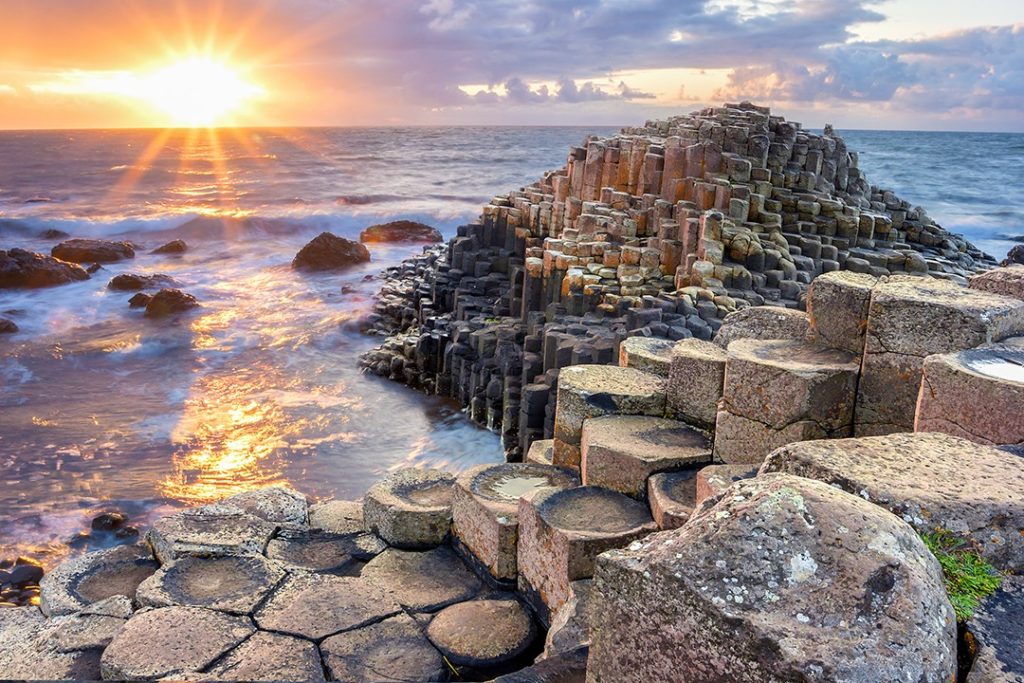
(197, 91)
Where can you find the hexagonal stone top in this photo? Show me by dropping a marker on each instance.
(482, 633)
(229, 584)
(650, 354)
(792, 356)
(315, 550)
(209, 530)
(392, 650)
(648, 439)
(337, 516)
(315, 606)
(167, 641)
(270, 657)
(410, 508)
(423, 581)
(1005, 363)
(590, 510)
(595, 381)
(499, 487)
(81, 581)
(277, 504)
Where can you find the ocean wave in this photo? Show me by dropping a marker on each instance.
(363, 199)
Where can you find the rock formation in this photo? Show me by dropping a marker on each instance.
(329, 252)
(20, 268)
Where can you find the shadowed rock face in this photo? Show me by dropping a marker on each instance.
(329, 252)
(20, 268)
(997, 629)
(400, 231)
(93, 251)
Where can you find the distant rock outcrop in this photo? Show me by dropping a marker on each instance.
(400, 231)
(93, 251)
(20, 268)
(330, 252)
(172, 247)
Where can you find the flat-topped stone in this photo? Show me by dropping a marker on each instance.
(997, 631)
(392, 650)
(228, 583)
(26, 654)
(270, 657)
(1008, 281)
(593, 390)
(562, 531)
(977, 394)
(318, 551)
(80, 581)
(649, 354)
(931, 480)
(621, 451)
(337, 516)
(483, 634)
(80, 632)
(911, 318)
(423, 581)
(209, 530)
(672, 496)
(729, 597)
(281, 505)
(168, 641)
(714, 479)
(541, 452)
(410, 508)
(837, 305)
(485, 510)
(781, 390)
(762, 322)
(695, 381)
(314, 606)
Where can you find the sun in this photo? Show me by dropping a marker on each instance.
(196, 91)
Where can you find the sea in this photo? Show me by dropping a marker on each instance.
(102, 409)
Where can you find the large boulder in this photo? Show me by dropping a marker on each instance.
(330, 252)
(400, 231)
(20, 268)
(92, 251)
(131, 282)
(777, 579)
(169, 302)
(172, 247)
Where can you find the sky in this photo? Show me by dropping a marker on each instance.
(874, 64)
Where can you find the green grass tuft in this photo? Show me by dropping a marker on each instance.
(969, 578)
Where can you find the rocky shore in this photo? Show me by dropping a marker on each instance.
(763, 424)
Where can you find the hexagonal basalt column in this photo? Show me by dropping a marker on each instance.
(837, 304)
(672, 497)
(485, 510)
(81, 581)
(314, 550)
(976, 394)
(695, 382)
(561, 532)
(281, 505)
(648, 354)
(423, 581)
(269, 657)
(209, 530)
(410, 508)
(541, 451)
(483, 634)
(911, 318)
(391, 650)
(777, 392)
(594, 390)
(227, 584)
(621, 451)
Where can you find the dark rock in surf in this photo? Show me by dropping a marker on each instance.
(168, 302)
(330, 252)
(400, 231)
(108, 521)
(20, 268)
(95, 251)
(7, 326)
(172, 247)
(53, 234)
(94, 268)
(130, 282)
(140, 300)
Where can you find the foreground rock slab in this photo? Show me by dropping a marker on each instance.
(392, 650)
(337, 516)
(229, 584)
(423, 581)
(648, 354)
(172, 640)
(81, 581)
(411, 508)
(933, 481)
(270, 657)
(695, 381)
(281, 505)
(25, 654)
(314, 550)
(764, 323)
(837, 305)
(727, 597)
(209, 530)
(483, 634)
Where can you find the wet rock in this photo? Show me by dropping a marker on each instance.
(108, 521)
(648, 354)
(20, 268)
(315, 550)
(483, 634)
(485, 510)
(337, 516)
(921, 478)
(695, 379)
(169, 641)
(94, 268)
(621, 451)
(763, 322)
(227, 584)
(129, 282)
(562, 531)
(25, 571)
(77, 583)
(423, 581)
(570, 624)
(207, 531)
(169, 302)
(140, 300)
(172, 247)
(997, 633)
(410, 508)
(330, 252)
(92, 251)
(7, 326)
(270, 657)
(837, 305)
(53, 234)
(672, 497)
(281, 505)
(315, 606)
(391, 650)
(400, 231)
(727, 597)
